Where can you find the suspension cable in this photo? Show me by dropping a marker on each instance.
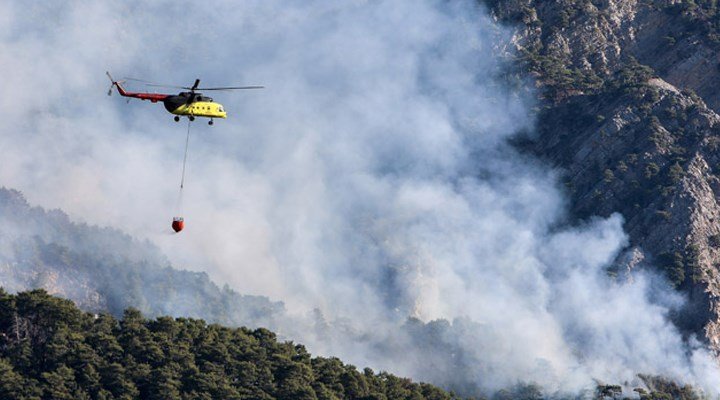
(187, 141)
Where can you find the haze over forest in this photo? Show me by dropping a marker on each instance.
(428, 188)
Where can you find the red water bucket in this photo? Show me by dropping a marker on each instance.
(178, 224)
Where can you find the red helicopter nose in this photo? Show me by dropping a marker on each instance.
(178, 224)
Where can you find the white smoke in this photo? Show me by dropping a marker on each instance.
(370, 180)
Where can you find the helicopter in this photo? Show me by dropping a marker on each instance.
(189, 104)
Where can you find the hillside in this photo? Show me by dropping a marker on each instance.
(103, 269)
(107, 273)
(376, 193)
(50, 349)
(628, 112)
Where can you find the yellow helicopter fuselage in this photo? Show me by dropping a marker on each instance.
(209, 109)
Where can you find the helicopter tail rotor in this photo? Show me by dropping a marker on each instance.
(113, 84)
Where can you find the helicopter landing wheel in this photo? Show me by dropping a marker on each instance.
(210, 122)
(177, 119)
(191, 118)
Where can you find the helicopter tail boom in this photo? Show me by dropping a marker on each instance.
(153, 97)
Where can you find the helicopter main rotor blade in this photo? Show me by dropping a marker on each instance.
(148, 83)
(232, 88)
(167, 86)
(192, 97)
(127, 78)
(192, 88)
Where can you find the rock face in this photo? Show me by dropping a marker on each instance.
(630, 96)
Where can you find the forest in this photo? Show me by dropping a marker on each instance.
(50, 349)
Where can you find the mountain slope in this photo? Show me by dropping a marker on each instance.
(103, 269)
(620, 116)
(51, 349)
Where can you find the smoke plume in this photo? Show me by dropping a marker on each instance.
(371, 182)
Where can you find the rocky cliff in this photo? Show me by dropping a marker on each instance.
(629, 104)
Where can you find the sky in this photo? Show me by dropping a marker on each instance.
(370, 180)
